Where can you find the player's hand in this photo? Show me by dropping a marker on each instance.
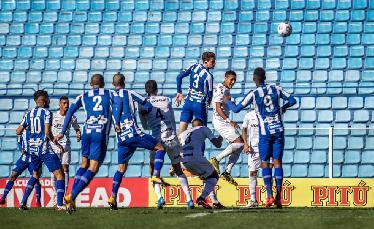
(57, 138)
(246, 148)
(117, 128)
(178, 99)
(60, 148)
(78, 133)
(24, 152)
(226, 98)
(234, 124)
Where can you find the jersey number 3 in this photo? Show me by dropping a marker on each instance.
(97, 101)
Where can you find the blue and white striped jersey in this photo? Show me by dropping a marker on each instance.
(125, 112)
(34, 123)
(266, 102)
(97, 103)
(201, 83)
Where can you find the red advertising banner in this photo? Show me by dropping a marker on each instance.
(132, 193)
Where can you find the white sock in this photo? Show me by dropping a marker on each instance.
(233, 147)
(157, 188)
(208, 187)
(213, 197)
(233, 158)
(184, 183)
(66, 181)
(252, 187)
(53, 182)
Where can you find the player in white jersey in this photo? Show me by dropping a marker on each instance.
(161, 121)
(250, 135)
(193, 158)
(65, 156)
(228, 129)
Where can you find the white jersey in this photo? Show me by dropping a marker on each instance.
(58, 122)
(161, 118)
(219, 92)
(192, 141)
(251, 123)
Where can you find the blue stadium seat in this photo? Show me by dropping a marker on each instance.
(349, 171)
(299, 170)
(366, 171)
(355, 102)
(361, 116)
(316, 170)
(320, 143)
(304, 143)
(355, 143)
(301, 156)
(323, 103)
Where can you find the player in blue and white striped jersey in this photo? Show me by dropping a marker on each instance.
(97, 103)
(200, 91)
(37, 124)
(130, 137)
(266, 101)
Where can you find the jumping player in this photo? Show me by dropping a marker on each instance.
(65, 156)
(200, 91)
(193, 158)
(130, 137)
(97, 103)
(266, 101)
(161, 121)
(227, 128)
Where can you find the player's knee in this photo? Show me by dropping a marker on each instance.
(177, 169)
(253, 173)
(159, 147)
(213, 175)
(277, 163)
(121, 168)
(13, 176)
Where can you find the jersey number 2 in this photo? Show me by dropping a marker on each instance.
(159, 114)
(97, 101)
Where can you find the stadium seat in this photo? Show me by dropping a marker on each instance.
(366, 171)
(349, 171)
(316, 170)
(299, 170)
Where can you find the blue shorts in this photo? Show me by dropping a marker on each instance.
(30, 162)
(94, 146)
(195, 109)
(51, 160)
(127, 148)
(271, 145)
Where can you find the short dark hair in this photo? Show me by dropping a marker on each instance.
(97, 80)
(208, 55)
(64, 97)
(260, 72)
(151, 87)
(230, 73)
(39, 93)
(119, 79)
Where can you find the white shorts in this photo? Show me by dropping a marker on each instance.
(172, 148)
(64, 157)
(254, 162)
(201, 168)
(227, 131)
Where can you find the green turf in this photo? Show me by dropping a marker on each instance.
(176, 218)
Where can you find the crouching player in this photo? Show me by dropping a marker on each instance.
(26, 161)
(193, 158)
(250, 134)
(37, 124)
(266, 101)
(130, 137)
(161, 121)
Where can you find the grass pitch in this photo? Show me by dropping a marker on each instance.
(183, 218)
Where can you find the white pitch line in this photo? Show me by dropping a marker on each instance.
(201, 214)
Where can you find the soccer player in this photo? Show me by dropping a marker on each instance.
(266, 101)
(200, 91)
(37, 124)
(227, 128)
(161, 121)
(26, 161)
(250, 135)
(130, 137)
(192, 141)
(65, 156)
(97, 103)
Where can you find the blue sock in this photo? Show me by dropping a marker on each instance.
(60, 189)
(278, 173)
(117, 179)
(83, 183)
(77, 176)
(266, 175)
(7, 189)
(38, 192)
(29, 188)
(159, 162)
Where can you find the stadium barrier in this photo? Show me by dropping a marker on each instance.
(138, 192)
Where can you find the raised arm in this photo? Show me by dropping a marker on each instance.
(69, 115)
(209, 88)
(236, 108)
(22, 125)
(286, 97)
(181, 75)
